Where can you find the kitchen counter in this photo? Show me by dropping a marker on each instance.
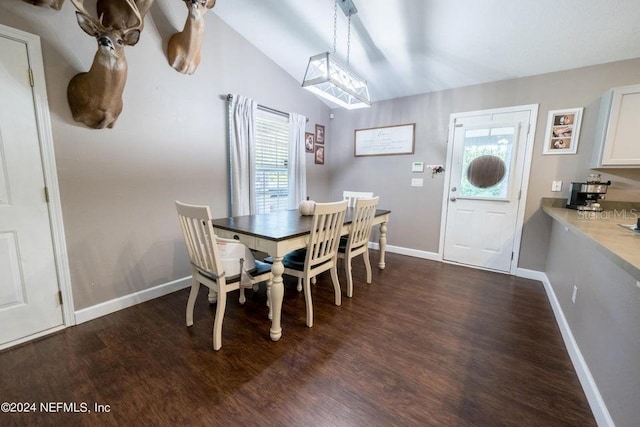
(620, 245)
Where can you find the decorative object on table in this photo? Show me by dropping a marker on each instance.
(309, 141)
(95, 97)
(318, 154)
(306, 207)
(53, 4)
(386, 140)
(331, 80)
(183, 49)
(563, 131)
(319, 134)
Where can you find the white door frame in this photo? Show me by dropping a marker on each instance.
(533, 119)
(45, 136)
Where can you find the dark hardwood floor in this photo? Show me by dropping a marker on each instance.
(425, 344)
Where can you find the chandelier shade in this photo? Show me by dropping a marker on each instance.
(335, 82)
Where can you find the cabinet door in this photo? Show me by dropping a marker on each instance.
(622, 142)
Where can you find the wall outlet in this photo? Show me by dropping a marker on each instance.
(556, 186)
(573, 295)
(417, 182)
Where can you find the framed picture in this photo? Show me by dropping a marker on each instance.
(563, 131)
(309, 141)
(384, 141)
(319, 134)
(319, 154)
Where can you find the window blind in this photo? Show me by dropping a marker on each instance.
(272, 154)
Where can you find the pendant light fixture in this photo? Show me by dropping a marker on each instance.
(328, 78)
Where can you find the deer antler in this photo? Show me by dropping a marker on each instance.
(79, 5)
(53, 4)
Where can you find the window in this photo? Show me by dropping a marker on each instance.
(272, 157)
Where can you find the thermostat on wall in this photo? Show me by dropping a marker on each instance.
(417, 167)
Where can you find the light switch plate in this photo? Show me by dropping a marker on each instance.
(556, 186)
(417, 167)
(417, 182)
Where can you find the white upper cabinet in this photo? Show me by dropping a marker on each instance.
(617, 138)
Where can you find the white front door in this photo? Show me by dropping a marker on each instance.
(488, 151)
(29, 288)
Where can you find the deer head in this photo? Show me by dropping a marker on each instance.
(95, 97)
(183, 49)
(53, 4)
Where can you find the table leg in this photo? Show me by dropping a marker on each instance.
(277, 294)
(383, 244)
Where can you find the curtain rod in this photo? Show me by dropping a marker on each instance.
(262, 107)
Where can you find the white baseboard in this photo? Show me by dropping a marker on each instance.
(598, 407)
(130, 300)
(433, 256)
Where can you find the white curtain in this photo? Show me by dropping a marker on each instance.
(297, 160)
(242, 141)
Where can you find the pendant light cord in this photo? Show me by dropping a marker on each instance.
(349, 40)
(335, 25)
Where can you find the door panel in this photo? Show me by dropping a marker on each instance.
(29, 301)
(487, 163)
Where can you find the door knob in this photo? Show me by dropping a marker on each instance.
(453, 199)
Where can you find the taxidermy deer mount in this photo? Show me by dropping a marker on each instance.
(184, 47)
(95, 97)
(53, 4)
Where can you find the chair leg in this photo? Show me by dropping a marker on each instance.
(336, 285)
(243, 299)
(299, 287)
(308, 302)
(213, 296)
(191, 302)
(347, 272)
(367, 265)
(217, 322)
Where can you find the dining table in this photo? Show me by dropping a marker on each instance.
(279, 232)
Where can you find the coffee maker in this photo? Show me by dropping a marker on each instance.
(585, 195)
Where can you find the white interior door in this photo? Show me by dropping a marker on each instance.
(487, 157)
(29, 288)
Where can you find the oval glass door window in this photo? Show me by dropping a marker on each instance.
(486, 161)
(486, 171)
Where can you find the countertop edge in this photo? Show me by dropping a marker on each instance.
(564, 216)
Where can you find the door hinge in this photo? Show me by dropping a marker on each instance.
(46, 194)
(60, 297)
(519, 195)
(31, 78)
(528, 128)
(511, 256)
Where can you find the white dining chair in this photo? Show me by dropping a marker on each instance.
(321, 254)
(352, 196)
(207, 266)
(357, 242)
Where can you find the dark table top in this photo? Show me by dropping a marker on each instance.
(279, 225)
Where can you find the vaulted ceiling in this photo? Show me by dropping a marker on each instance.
(406, 47)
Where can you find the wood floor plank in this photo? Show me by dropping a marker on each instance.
(426, 343)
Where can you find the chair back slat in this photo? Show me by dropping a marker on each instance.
(197, 229)
(360, 231)
(352, 196)
(328, 219)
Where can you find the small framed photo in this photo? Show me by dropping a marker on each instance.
(319, 154)
(309, 141)
(563, 131)
(319, 134)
